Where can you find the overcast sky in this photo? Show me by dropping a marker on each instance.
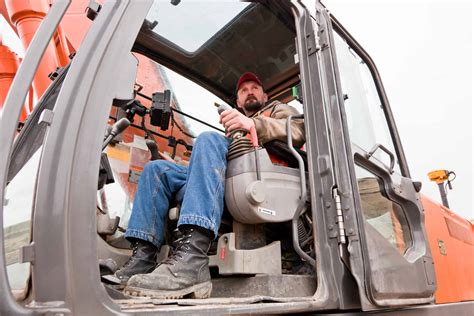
(423, 51)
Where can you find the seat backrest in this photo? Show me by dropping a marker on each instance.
(281, 151)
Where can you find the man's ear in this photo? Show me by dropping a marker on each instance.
(265, 98)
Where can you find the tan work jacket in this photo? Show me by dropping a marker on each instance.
(270, 124)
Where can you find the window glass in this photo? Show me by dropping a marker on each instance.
(200, 18)
(194, 100)
(385, 216)
(365, 117)
(17, 221)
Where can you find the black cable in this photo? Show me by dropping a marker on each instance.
(448, 183)
(198, 120)
(174, 122)
(147, 132)
(182, 142)
(184, 114)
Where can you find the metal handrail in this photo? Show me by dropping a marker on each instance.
(296, 154)
(304, 195)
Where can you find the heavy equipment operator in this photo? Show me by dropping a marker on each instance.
(199, 189)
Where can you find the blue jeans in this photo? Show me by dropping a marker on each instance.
(199, 188)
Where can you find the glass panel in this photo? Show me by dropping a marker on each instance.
(385, 216)
(17, 221)
(198, 20)
(114, 199)
(194, 100)
(365, 117)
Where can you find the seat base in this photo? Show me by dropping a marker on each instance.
(229, 260)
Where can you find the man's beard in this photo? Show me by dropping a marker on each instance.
(253, 105)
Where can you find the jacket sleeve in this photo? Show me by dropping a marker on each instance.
(274, 127)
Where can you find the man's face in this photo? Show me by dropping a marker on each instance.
(250, 97)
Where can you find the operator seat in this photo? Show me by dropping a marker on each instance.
(272, 199)
(258, 191)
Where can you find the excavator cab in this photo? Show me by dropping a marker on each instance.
(346, 202)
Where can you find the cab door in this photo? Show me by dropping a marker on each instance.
(387, 247)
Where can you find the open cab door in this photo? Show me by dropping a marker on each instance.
(380, 220)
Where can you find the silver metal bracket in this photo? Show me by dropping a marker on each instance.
(312, 41)
(46, 117)
(27, 253)
(339, 217)
(92, 10)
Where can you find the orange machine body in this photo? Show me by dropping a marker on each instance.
(8, 67)
(26, 16)
(451, 239)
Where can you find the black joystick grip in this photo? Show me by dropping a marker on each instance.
(153, 147)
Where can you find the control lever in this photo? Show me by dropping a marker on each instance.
(221, 108)
(238, 136)
(153, 148)
(117, 128)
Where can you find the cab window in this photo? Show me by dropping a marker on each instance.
(365, 116)
(368, 128)
(382, 214)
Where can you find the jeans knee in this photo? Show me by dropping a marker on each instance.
(210, 138)
(155, 166)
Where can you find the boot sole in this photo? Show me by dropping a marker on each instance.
(201, 290)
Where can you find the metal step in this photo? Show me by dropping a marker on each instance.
(283, 285)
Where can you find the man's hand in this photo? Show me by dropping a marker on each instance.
(166, 157)
(233, 119)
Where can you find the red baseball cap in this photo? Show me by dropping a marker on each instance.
(248, 76)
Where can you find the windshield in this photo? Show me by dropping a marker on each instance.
(202, 19)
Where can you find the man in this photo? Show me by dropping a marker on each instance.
(200, 190)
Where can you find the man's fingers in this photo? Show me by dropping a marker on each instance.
(233, 121)
(228, 115)
(227, 118)
(223, 114)
(233, 126)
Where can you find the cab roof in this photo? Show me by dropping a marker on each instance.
(260, 39)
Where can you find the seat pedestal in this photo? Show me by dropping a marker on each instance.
(229, 260)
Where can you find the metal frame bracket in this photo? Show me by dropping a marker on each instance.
(46, 117)
(27, 253)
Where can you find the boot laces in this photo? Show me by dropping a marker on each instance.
(180, 245)
(132, 257)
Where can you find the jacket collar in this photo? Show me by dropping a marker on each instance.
(265, 108)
